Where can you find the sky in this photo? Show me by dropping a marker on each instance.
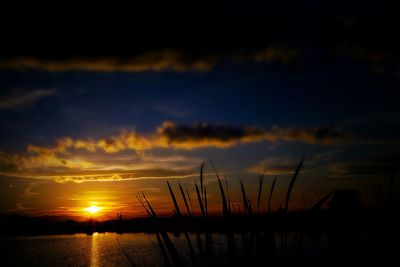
(99, 103)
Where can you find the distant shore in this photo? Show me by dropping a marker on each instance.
(321, 221)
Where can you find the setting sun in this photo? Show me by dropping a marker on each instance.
(93, 209)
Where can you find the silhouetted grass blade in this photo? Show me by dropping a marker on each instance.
(270, 195)
(177, 210)
(184, 199)
(203, 213)
(201, 181)
(318, 205)
(225, 210)
(296, 173)
(260, 184)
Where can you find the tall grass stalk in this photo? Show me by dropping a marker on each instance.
(203, 213)
(270, 195)
(188, 197)
(246, 204)
(289, 191)
(184, 199)
(202, 181)
(177, 210)
(318, 205)
(225, 210)
(227, 193)
(260, 184)
(205, 201)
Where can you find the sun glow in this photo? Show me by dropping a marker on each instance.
(93, 209)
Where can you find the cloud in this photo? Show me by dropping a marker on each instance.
(156, 61)
(166, 60)
(81, 179)
(197, 135)
(68, 165)
(279, 54)
(384, 162)
(28, 192)
(77, 157)
(137, 175)
(206, 135)
(374, 127)
(18, 99)
(210, 135)
(365, 168)
(276, 165)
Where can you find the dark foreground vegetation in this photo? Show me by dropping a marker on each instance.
(343, 234)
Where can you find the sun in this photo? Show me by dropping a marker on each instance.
(93, 209)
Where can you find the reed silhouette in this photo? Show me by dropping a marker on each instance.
(279, 238)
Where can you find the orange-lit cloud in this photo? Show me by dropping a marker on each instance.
(74, 159)
(283, 55)
(198, 135)
(164, 60)
(126, 176)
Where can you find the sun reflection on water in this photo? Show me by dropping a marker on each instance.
(94, 258)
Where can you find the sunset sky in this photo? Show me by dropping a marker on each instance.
(93, 113)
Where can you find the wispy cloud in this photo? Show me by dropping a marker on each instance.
(160, 174)
(275, 165)
(19, 99)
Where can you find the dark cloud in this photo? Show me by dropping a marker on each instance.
(366, 168)
(203, 134)
(374, 127)
(386, 162)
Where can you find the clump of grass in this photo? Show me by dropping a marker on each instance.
(253, 239)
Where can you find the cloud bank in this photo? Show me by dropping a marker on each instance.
(80, 157)
(197, 135)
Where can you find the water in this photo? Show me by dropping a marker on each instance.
(81, 250)
(108, 249)
(105, 249)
